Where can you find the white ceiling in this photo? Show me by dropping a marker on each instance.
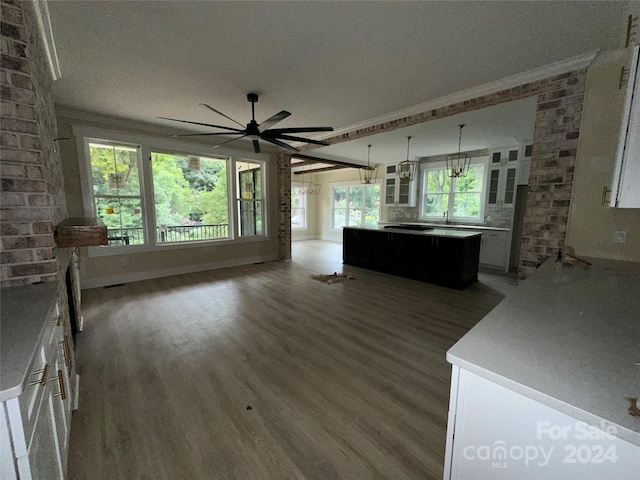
(328, 63)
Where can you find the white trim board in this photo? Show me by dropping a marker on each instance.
(167, 272)
(44, 23)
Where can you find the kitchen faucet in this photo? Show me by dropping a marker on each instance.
(445, 214)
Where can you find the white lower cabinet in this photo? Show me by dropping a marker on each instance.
(494, 250)
(35, 426)
(494, 432)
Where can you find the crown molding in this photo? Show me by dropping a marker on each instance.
(41, 8)
(573, 63)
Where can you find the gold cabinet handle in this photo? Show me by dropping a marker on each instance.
(605, 196)
(43, 380)
(62, 394)
(66, 351)
(632, 25)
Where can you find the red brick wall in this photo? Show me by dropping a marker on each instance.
(284, 206)
(32, 186)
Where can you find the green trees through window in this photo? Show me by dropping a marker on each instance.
(356, 205)
(460, 197)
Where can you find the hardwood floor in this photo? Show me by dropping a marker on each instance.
(261, 372)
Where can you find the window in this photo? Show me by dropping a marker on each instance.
(180, 195)
(459, 198)
(115, 175)
(355, 205)
(249, 188)
(298, 210)
(190, 197)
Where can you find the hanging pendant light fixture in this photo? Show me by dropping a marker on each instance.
(407, 169)
(458, 163)
(368, 174)
(307, 188)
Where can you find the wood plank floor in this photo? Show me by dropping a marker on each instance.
(261, 372)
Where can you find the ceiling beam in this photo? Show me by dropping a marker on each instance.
(318, 170)
(325, 160)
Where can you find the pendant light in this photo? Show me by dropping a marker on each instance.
(407, 169)
(368, 174)
(458, 163)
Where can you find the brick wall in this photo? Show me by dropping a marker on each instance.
(284, 206)
(32, 189)
(557, 128)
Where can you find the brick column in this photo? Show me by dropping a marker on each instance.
(284, 206)
(33, 197)
(555, 141)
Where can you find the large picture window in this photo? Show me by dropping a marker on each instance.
(457, 198)
(355, 205)
(190, 197)
(152, 193)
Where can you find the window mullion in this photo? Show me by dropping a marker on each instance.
(148, 203)
(452, 193)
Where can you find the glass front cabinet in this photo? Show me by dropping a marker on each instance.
(399, 191)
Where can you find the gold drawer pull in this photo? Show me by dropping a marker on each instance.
(65, 351)
(60, 378)
(43, 380)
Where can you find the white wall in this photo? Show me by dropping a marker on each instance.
(591, 226)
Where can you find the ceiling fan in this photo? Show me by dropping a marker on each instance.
(255, 131)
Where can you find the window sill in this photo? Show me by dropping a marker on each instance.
(134, 249)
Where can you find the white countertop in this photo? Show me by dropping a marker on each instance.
(434, 232)
(448, 225)
(569, 338)
(23, 320)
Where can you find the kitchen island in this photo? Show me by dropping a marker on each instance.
(546, 385)
(442, 256)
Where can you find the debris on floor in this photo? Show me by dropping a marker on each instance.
(330, 279)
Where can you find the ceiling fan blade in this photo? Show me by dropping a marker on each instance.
(256, 146)
(280, 144)
(220, 113)
(229, 141)
(278, 131)
(300, 139)
(204, 124)
(204, 134)
(273, 120)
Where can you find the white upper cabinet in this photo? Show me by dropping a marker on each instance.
(399, 191)
(503, 176)
(625, 192)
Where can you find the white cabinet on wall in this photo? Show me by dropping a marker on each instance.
(399, 191)
(625, 192)
(503, 176)
(524, 164)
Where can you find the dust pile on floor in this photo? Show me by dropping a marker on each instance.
(334, 278)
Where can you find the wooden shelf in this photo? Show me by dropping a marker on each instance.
(80, 232)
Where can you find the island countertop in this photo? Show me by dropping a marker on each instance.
(433, 232)
(569, 338)
(23, 321)
(448, 225)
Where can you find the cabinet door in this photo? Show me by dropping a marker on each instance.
(492, 249)
(44, 450)
(494, 186)
(509, 193)
(502, 186)
(389, 190)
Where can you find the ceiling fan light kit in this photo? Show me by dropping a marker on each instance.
(458, 163)
(256, 131)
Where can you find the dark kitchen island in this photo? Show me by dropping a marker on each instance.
(442, 256)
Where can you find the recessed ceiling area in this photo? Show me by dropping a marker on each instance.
(328, 63)
(501, 125)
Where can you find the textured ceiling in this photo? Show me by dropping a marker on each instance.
(328, 63)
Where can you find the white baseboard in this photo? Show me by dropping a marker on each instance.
(331, 239)
(300, 239)
(167, 272)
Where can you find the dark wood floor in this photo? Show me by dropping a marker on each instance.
(261, 372)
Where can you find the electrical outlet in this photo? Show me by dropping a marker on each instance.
(619, 236)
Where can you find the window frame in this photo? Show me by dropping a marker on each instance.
(347, 185)
(148, 144)
(304, 209)
(426, 167)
